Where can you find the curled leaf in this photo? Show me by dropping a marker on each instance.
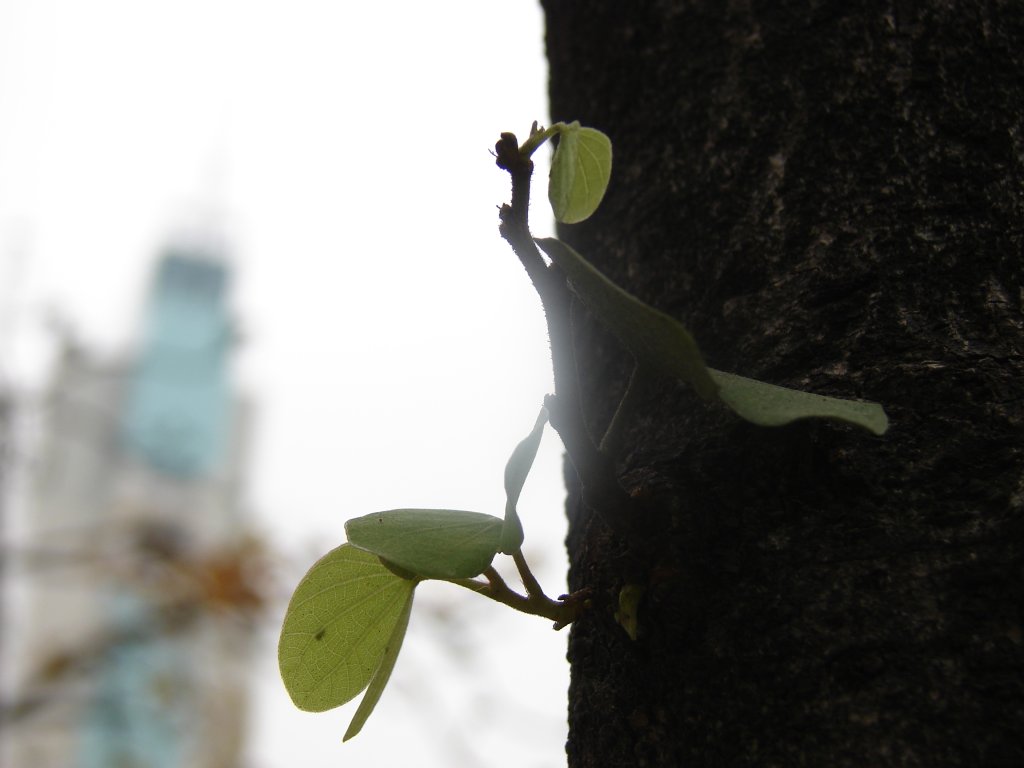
(383, 674)
(431, 543)
(516, 471)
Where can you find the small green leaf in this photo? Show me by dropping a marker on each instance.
(771, 406)
(516, 471)
(337, 627)
(383, 674)
(628, 615)
(659, 342)
(432, 543)
(580, 170)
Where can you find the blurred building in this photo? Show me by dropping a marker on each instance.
(131, 645)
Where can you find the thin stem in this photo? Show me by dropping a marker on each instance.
(529, 580)
(538, 137)
(613, 435)
(480, 587)
(562, 612)
(601, 490)
(515, 218)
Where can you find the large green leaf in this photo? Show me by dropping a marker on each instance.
(771, 406)
(338, 626)
(383, 674)
(430, 543)
(580, 170)
(658, 341)
(516, 471)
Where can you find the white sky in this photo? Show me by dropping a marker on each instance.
(395, 350)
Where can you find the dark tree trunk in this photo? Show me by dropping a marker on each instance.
(830, 195)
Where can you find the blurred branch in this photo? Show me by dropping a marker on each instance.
(179, 591)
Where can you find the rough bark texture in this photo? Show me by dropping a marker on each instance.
(830, 195)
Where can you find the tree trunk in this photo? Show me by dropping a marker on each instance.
(830, 195)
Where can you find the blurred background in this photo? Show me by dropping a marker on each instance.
(250, 286)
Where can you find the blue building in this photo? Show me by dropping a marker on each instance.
(176, 414)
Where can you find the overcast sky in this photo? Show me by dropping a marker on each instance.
(394, 349)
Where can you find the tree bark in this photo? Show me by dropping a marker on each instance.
(830, 195)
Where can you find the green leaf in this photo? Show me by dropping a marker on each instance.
(431, 543)
(580, 170)
(516, 471)
(628, 615)
(383, 674)
(337, 628)
(771, 406)
(658, 341)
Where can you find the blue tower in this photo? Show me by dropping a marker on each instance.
(177, 410)
(175, 421)
(141, 469)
